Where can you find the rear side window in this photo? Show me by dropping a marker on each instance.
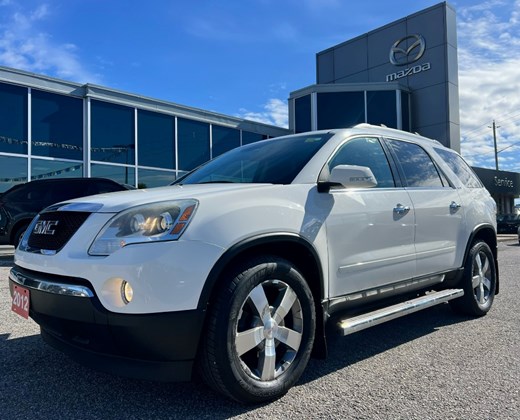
(460, 168)
(62, 191)
(100, 187)
(365, 152)
(416, 165)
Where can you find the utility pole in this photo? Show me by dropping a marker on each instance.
(494, 127)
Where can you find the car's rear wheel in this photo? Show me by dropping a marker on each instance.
(260, 332)
(479, 282)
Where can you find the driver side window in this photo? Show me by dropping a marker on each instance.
(365, 152)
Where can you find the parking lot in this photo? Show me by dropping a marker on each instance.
(429, 365)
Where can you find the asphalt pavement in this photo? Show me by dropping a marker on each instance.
(429, 365)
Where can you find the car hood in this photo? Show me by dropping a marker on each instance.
(118, 201)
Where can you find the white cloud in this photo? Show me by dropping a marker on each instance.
(489, 77)
(274, 112)
(24, 46)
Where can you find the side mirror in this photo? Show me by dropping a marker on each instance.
(348, 176)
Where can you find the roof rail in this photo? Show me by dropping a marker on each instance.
(366, 125)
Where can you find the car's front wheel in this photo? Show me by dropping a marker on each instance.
(478, 281)
(260, 332)
(18, 235)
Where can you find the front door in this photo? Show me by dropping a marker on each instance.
(370, 230)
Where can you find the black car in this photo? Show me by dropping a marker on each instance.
(21, 203)
(508, 223)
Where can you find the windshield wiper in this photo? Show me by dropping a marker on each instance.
(216, 182)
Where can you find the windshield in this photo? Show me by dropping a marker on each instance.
(275, 161)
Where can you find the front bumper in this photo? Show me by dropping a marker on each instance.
(156, 346)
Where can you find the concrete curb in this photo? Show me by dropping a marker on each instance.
(6, 252)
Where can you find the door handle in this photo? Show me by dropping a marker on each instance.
(454, 205)
(400, 209)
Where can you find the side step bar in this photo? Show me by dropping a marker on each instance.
(370, 319)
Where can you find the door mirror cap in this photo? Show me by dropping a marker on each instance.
(349, 176)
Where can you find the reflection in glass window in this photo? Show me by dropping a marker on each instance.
(248, 137)
(121, 174)
(57, 125)
(156, 139)
(340, 109)
(13, 119)
(112, 133)
(45, 169)
(193, 143)
(302, 114)
(224, 139)
(365, 152)
(460, 167)
(416, 165)
(13, 170)
(149, 178)
(381, 108)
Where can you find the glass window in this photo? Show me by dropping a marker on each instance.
(13, 170)
(365, 152)
(460, 167)
(271, 162)
(149, 178)
(156, 139)
(193, 143)
(57, 125)
(381, 108)
(45, 169)
(302, 114)
(121, 174)
(416, 165)
(112, 131)
(340, 109)
(224, 139)
(13, 119)
(248, 137)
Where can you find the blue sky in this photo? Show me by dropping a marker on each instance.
(244, 57)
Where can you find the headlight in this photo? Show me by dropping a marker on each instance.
(164, 221)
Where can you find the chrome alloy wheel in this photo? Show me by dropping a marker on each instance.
(481, 280)
(269, 330)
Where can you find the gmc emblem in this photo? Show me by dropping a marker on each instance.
(45, 227)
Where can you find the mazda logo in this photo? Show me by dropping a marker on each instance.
(401, 56)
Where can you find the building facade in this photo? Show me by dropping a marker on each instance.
(53, 128)
(403, 75)
(504, 187)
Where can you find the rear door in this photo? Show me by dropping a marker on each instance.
(439, 221)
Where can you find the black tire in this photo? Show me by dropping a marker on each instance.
(18, 234)
(260, 332)
(478, 281)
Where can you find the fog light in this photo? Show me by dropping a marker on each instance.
(127, 293)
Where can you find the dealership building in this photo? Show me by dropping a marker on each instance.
(403, 75)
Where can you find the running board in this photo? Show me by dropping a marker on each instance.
(370, 319)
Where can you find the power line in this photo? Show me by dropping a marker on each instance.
(502, 121)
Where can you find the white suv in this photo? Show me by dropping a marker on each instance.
(237, 268)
